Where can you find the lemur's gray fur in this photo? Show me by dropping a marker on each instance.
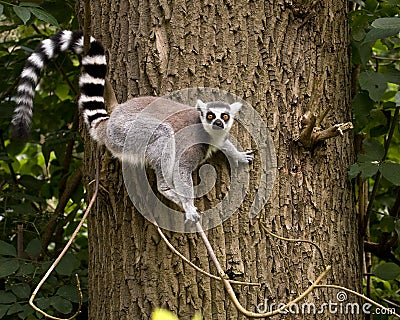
(143, 130)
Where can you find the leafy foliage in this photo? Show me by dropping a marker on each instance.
(41, 195)
(375, 27)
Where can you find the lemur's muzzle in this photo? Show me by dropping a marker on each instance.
(218, 124)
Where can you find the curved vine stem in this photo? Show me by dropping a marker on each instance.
(55, 263)
(174, 250)
(232, 294)
(294, 240)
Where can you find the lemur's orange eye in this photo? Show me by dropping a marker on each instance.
(225, 117)
(210, 116)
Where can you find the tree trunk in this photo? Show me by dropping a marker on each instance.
(283, 59)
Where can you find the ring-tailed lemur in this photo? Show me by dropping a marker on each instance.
(151, 123)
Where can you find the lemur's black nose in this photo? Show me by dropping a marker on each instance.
(218, 123)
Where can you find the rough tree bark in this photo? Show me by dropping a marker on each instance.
(284, 58)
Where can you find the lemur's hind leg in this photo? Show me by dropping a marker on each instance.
(173, 181)
(184, 187)
(161, 154)
(178, 189)
(167, 190)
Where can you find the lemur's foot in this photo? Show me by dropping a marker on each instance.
(192, 217)
(246, 156)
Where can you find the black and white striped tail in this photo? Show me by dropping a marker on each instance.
(91, 81)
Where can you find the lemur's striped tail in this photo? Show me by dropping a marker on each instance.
(91, 81)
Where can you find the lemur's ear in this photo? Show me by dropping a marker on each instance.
(235, 107)
(200, 105)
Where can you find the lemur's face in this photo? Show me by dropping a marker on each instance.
(217, 117)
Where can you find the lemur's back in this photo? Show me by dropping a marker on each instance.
(176, 114)
(135, 123)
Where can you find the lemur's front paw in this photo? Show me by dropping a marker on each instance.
(246, 157)
(192, 217)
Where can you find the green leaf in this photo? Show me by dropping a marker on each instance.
(397, 98)
(387, 271)
(362, 105)
(375, 34)
(391, 75)
(388, 105)
(62, 92)
(387, 23)
(21, 290)
(43, 303)
(29, 4)
(30, 182)
(7, 297)
(354, 170)
(8, 267)
(61, 305)
(387, 224)
(359, 22)
(391, 172)
(361, 52)
(34, 248)
(23, 13)
(4, 157)
(16, 307)
(67, 265)
(3, 310)
(23, 208)
(378, 130)
(14, 148)
(26, 311)
(7, 249)
(68, 292)
(373, 151)
(44, 16)
(161, 314)
(374, 83)
(368, 169)
(26, 269)
(368, 162)
(1, 9)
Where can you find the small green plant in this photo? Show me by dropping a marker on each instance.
(162, 314)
